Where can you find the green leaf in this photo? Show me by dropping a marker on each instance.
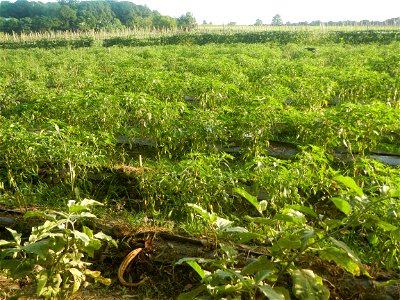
(74, 207)
(85, 214)
(202, 212)
(260, 220)
(262, 275)
(289, 243)
(89, 232)
(243, 236)
(349, 183)
(291, 216)
(7, 243)
(81, 236)
(252, 200)
(262, 263)
(39, 214)
(271, 293)
(97, 277)
(286, 218)
(284, 291)
(102, 236)
(93, 245)
(395, 193)
(342, 205)
(307, 238)
(193, 293)
(89, 202)
(16, 236)
(304, 209)
(195, 266)
(308, 286)
(386, 226)
(41, 280)
(40, 248)
(341, 258)
(20, 267)
(222, 223)
(346, 248)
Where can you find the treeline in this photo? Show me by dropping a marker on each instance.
(388, 22)
(25, 16)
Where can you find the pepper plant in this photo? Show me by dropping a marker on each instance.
(56, 253)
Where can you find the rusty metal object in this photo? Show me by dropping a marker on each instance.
(124, 265)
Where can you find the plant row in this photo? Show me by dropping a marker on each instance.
(48, 43)
(278, 37)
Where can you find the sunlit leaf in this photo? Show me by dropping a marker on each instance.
(342, 205)
(347, 249)
(195, 266)
(308, 286)
(41, 280)
(81, 236)
(304, 209)
(271, 293)
(16, 236)
(252, 200)
(386, 226)
(202, 212)
(222, 223)
(262, 263)
(341, 258)
(349, 183)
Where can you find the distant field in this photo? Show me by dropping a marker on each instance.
(100, 35)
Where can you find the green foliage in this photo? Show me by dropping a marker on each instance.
(48, 43)
(54, 254)
(281, 37)
(273, 145)
(293, 232)
(26, 17)
(308, 286)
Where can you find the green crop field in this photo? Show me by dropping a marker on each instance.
(288, 147)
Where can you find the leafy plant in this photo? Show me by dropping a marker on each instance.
(293, 232)
(54, 254)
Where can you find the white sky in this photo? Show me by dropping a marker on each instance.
(245, 12)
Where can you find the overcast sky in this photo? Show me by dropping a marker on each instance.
(247, 11)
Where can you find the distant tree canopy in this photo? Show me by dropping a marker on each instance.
(258, 22)
(26, 16)
(187, 21)
(277, 20)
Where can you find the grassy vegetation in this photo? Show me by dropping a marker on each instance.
(142, 129)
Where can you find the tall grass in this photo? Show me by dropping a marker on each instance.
(100, 35)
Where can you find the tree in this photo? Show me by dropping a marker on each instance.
(232, 24)
(277, 20)
(163, 22)
(258, 22)
(187, 21)
(67, 17)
